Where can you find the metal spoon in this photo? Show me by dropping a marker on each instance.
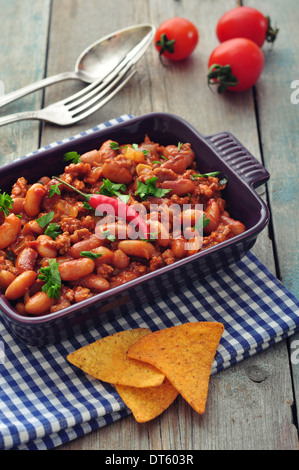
(98, 60)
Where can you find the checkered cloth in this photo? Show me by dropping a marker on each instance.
(45, 401)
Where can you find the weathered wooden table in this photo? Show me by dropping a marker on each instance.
(43, 37)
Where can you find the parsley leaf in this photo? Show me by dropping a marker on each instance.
(124, 198)
(72, 157)
(113, 189)
(201, 223)
(152, 237)
(54, 189)
(108, 235)
(50, 274)
(205, 175)
(90, 254)
(114, 146)
(5, 203)
(53, 230)
(149, 188)
(223, 180)
(45, 219)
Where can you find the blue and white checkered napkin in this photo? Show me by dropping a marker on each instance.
(45, 401)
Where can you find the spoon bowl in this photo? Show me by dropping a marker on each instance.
(101, 59)
(103, 56)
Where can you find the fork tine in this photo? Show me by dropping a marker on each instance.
(99, 85)
(78, 116)
(95, 94)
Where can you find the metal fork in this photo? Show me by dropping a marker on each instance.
(78, 106)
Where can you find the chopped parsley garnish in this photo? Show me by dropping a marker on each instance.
(206, 175)
(179, 146)
(5, 203)
(149, 188)
(50, 274)
(72, 157)
(53, 230)
(108, 235)
(54, 189)
(112, 189)
(201, 223)
(45, 219)
(90, 254)
(222, 181)
(114, 146)
(152, 237)
(135, 147)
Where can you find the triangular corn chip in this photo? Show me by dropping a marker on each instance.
(185, 354)
(106, 359)
(147, 403)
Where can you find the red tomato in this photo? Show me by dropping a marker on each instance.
(235, 65)
(245, 22)
(176, 38)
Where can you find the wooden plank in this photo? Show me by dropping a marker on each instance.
(87, 22)
(279, 124)
(22, 61)
(241, 413)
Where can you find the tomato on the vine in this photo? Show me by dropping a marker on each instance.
(235, 65)
(176, 38)
(246, 22)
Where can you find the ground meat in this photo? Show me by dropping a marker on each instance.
(155, 263)
(133, 271)
(19, 189)
(79, 235)
(168, 256)
(77, 170)
(89, 222)
(63, 243)
(105, 270)
(70, 224)
(81, 293)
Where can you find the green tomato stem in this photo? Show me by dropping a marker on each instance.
(271, 33)
(222, 76)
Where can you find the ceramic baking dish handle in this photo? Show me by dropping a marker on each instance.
(239, 159)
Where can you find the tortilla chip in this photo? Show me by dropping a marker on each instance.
(185, 354)
(106, 359)
(147, 403)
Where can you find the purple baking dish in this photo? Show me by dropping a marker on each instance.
(220, 151)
